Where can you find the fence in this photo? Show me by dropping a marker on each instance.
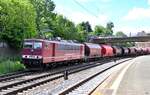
(6, 51)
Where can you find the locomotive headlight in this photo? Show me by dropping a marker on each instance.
(39, 57)
(24, 56)
(32, 56)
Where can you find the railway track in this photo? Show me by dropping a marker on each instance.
(12, 87)
(18, 85)
(89, 84)
(15, 75)
(11, 76)
(18, 74)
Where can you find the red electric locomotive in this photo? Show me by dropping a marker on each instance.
(37, 52)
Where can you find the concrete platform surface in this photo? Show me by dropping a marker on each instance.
(132, 79)
(136, 80)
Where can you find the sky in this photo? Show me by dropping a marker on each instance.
(127, 15)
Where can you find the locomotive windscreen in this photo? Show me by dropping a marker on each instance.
(35, 45)
(28, 45)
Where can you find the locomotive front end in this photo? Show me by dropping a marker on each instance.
(32, 53)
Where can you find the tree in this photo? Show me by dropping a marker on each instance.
(17, 21)
(109, 26)
(84, 29)
(125, 44)
(99, 30)
(44, 15)
(82, 33)
(87, 27)
(64, 28)
(102, 31)
(120, 34)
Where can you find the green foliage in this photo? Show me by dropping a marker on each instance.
(102, 31)
(99, 30)
(17, 21)
(120, 34)
(109, 31)
(48, 35)
(64, 28)
(83, 31)
(86, 26)
(22, 19)
(82, 34)
(44, 16)
(9, 65)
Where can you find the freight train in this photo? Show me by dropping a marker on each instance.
(39, 53)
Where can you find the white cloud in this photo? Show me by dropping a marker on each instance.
(78, 17)
(148, 2)
(138, 13)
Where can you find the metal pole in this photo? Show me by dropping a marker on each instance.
(66, 75)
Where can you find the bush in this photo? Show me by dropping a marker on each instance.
(8, 66)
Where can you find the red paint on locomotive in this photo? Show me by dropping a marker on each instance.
(50, 51)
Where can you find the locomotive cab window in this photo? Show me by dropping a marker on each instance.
(37, 45)
(28, 45)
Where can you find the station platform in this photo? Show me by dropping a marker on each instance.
(131, 79)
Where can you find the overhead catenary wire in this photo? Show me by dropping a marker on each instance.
(83, 7)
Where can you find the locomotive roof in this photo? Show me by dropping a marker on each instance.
(61, 42)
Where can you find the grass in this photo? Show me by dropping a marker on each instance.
(9, 65)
